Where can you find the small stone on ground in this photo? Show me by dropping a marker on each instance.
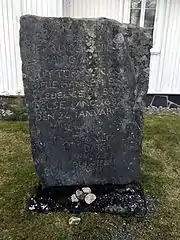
(80, 195)
(74, 198)
(74, 221)
(90, 198)
(86, 190)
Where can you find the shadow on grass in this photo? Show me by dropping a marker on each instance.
(151, 179)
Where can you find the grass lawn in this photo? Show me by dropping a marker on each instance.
(160, 170)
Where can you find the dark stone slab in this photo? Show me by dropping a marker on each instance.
(84, 82)
(174, 98)
(160, 101)
(172, 105)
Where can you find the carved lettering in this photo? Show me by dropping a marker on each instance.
(45, 85)
(96, 112)
(102, 112)
(88, 114)
(54, 95)
(62, 105)
(44, 116)
(53, 106)
(82, 114)
(47, 95)
(82, 104)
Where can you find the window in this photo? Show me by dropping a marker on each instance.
(143, 14)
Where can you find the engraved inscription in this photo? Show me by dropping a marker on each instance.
(82, 79)
(90, 98)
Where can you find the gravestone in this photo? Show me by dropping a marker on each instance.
(84, 82)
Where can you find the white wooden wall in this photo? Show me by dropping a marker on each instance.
(165, 59)
(165, 55)
(115, 9)
(10, 61)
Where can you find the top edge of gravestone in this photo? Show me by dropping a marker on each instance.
(24, 19)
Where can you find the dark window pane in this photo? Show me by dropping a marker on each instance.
(149, 18)
(135, 3)
(135, 17)
(151, 3)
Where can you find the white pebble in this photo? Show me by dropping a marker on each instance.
(86, 190)
(74, 221)
(80, 194)
(90, 198)
(74, 198)
(32, 208)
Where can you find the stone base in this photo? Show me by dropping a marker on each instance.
(126, 200)
(162, 100)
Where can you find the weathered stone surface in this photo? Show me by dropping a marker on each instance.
(84, 82)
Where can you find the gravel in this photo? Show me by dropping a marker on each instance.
(162, 111)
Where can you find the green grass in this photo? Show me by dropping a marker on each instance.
(160, 171)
